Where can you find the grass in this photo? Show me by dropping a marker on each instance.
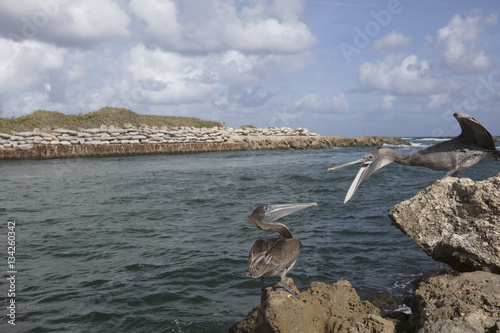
(118, 117)
(248, 127)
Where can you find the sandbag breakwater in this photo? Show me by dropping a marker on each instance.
(110, 141)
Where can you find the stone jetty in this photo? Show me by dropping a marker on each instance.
(130, 140)
(456, 221)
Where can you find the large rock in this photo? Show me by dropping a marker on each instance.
(456, 221)
(469, 302)
(321, 308)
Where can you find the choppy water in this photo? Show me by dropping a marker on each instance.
(159, 243)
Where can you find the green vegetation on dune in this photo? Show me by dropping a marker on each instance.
(117, 117)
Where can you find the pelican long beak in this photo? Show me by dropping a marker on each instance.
(361, 160)
(274, 212)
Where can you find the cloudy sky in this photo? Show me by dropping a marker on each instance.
(349, 68)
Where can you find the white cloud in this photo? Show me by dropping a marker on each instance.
(329, 104)
(215, 26)
(438, 100)
(26, 65)
(155, 76)
(392, 41)
(160, 17)
(460, 44)
(398, 76)
(63, 23)
(163, 77)
(386, 103)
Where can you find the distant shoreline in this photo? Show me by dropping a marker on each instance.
(108, 142)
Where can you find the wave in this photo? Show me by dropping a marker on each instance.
(432, 139)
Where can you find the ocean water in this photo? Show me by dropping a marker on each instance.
(160, 243)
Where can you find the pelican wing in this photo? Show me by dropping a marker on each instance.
(273, 256)
(474, 132)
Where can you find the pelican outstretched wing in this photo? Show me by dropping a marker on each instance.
(474, 132)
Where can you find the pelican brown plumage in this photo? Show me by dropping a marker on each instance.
(274, 256)
(473, 145)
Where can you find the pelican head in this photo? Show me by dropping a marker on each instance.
(268, 214)
(370, 163)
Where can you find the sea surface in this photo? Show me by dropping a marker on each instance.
(160, 243)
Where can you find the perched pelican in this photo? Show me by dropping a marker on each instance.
(474, 144)
(274, 256)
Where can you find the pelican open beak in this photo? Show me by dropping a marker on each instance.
(275, 212)
(361, 160)
(367, 169)
(359, 177)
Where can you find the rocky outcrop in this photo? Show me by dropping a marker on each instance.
(321, 308)
(465, 303)
(469, 302)
(456, 221)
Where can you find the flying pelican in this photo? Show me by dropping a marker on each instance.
(474, 144)
(274, 256)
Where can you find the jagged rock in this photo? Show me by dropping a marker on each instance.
(321, 308)
(469, 302)
(456, 221)
(385, 301)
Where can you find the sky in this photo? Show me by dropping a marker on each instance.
(348, 68)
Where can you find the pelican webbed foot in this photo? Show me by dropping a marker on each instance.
(286, 287)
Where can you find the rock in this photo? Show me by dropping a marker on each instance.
(92, 130)
(60, 130)
(456, 221)
(321, 308)
(24, 146)
(385, 301)
(469, 302)
(25, 134)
